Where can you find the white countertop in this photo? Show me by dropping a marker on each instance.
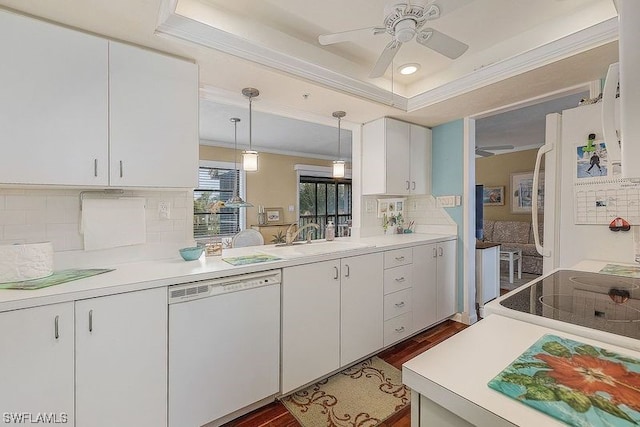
(455, 373)
(151, 274)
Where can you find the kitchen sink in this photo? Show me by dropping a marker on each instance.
(317, 247)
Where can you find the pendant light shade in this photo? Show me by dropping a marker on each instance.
(338, 164)
(236, 201)
(250, 156)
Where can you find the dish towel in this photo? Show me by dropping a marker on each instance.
(111, 223)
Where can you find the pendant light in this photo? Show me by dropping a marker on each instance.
(338, 165)
(236, 201)
(250, 157)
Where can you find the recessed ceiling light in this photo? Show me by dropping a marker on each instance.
(407, 69)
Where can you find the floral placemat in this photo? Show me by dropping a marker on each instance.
(250, 259)
(56, 278)
(579, 384)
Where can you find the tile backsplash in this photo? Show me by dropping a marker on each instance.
(34, 215)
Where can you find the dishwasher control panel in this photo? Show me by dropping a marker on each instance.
(207, 288)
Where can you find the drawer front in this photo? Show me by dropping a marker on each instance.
(397, 303)
(397, 328)
(398, 257)
(398, 278)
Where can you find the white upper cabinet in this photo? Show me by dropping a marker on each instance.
(153, 119)
(80, 110)
(53, 104)
(396, 158)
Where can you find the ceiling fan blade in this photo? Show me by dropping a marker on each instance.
(346, 36)
(483, 153)
(385, 59)
(496, 147)
(441, 43)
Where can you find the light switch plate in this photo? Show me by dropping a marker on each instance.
(446, 201)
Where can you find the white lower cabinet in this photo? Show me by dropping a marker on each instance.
(36, 363)
(446, 282)
(119, 376)
(121, 360)
(331, 316)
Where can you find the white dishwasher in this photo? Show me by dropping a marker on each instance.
(224, 346)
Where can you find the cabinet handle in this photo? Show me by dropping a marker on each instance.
(400, 304)
(90, 320)
(400, 329)
(440, 251)
(435, 252)
(346, 274)
(95, 167)
(407, 184)
(56, 328)
(413, 185)
(400, 258)
(120, 168)
(400, 279)
(337, 273)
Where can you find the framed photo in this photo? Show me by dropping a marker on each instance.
(522, 192)
(493, 196)
(390, 207)
(275, 216)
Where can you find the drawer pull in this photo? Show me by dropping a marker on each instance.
(400, 329)
(56, 329)
(440, 251)
(90, 320)
(335, 277)
(400, 279)
(400, 304)
(400, 258)
(95, 167)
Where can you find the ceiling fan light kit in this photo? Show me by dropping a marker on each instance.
(250, 156)
(338, 165)
(404, 21)
(408, 69)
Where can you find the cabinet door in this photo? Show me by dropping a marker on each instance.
(424, 297)
(153, 119)
(36, 361)
(121, 359)
(361, 310)
(446, 278)
(310, 323)
(53, 104)
(420, 158)
(398, 157)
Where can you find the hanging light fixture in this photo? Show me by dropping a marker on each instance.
(250, 157)
(236, 201)
(338, 165)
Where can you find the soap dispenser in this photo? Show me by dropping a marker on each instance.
(330, 231)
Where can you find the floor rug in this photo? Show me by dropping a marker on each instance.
(363, 396)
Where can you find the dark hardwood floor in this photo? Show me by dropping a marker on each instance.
(276, 415)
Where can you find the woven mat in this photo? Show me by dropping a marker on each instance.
(363, 395)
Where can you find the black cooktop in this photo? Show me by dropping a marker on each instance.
(594, 300)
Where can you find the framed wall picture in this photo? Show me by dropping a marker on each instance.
(390, 207)
(493, 196)
(522, 192)
(275, 216)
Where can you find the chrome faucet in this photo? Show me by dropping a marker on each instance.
(291, 236)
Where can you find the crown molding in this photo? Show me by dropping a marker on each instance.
(174, 25)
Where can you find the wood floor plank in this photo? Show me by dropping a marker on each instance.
(276, 415)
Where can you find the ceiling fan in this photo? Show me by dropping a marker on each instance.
(483, 151)
(404, 20)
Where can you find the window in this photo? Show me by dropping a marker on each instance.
(216, 182)
(324, 199)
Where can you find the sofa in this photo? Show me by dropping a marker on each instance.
(515, 235)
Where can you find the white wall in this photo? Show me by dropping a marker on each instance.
(35, 215)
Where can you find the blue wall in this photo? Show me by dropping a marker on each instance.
(447, 179)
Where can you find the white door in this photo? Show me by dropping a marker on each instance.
(424, 294)
(153, 118)
(53, 104)
(398, 157)
(361, 310)
(310, 323)
(446, 277)
(36, 361)
(420, 160)
(121, 360)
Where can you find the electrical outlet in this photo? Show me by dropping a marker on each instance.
(292, 208)
(164, 210)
